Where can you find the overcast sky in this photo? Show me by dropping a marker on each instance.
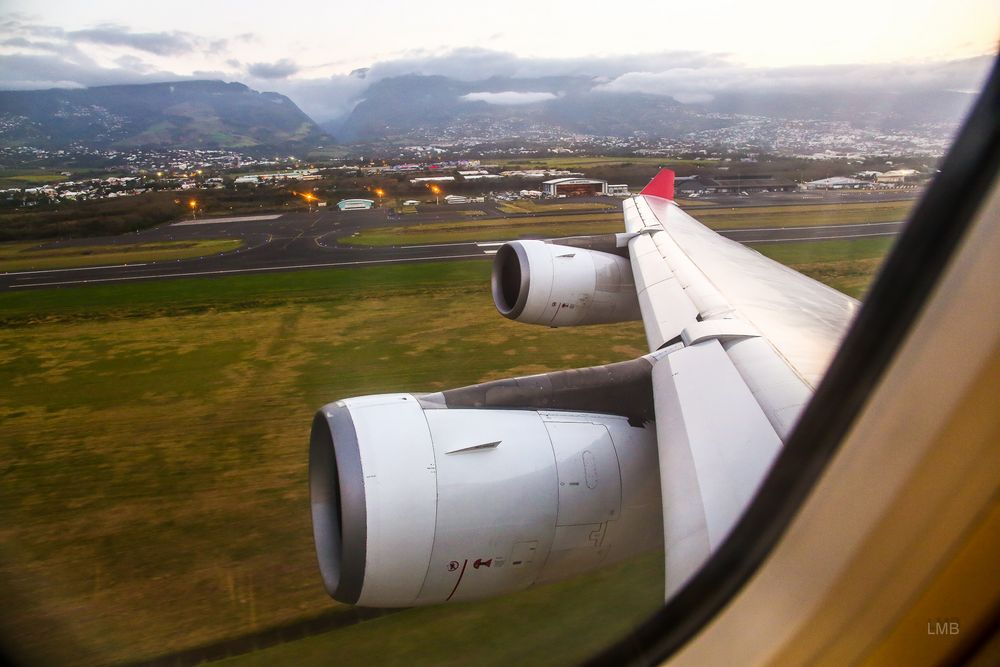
(308, 49)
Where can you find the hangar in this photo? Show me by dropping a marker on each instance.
(355, 204)
(574, 187)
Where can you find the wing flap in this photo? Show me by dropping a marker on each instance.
(715, 446)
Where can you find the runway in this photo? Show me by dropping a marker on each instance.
(300, 241)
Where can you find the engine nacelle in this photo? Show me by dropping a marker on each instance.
(559, 286)
(414, 503)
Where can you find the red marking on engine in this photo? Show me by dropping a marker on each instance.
(460, 575)
(480, 562)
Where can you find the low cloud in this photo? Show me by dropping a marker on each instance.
(693, 85)
(281, 69)
(157, 43)
(693, 98)
(40, 56)
(476, 64)
(509, 97)
(26, 72)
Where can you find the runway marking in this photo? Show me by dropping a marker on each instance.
(481, 244)
(438, 245)
(250, 270)
(784, 229)
(79, 268)
(215, 221)
(818, 238)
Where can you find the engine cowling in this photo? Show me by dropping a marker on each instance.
(416, 504)
(557, 286)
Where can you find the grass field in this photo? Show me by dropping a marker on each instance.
(804, 215)
(543, 226)
(154, 490)
(532, 206)
(35, 256)
(29, 178)
(492, 229)
(584, 162)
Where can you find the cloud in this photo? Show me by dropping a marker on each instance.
(476, 64)
(281, 69)
(39, 56)
(690, 85)
(693, 98)
(157, 43)
(508, 97)
(25, 71)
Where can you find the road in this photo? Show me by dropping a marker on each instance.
(295, 241)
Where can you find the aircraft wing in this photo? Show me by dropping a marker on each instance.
(502, 485)
(739, 343)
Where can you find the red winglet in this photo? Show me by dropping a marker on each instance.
(661, 186)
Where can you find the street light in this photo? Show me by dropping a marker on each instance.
(193, 205)
(437, 192)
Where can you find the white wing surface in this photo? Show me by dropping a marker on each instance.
(740, 343)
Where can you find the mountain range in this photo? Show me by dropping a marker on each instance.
(403, 106)
(184, 114)
(214, 114)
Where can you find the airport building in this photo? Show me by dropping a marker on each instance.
(837, 183)
(355, 204)
(432, 179)
(898, 177)
(703, 185)
(574, 187)
(619, 190)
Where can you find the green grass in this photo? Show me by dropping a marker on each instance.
(543, 226)
(585, 161)
(490, 229)
(28, 178)
(532, 206)
(35, 256)
(805, 215)
(561, 624)
(154, 487)
(154, 455)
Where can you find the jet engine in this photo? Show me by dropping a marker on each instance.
(561, 285)
(417, 502)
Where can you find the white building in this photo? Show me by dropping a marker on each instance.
(432, 179)
(574, 187)
(837, 183)
(355, 204)
(619, 190)
(897, 176)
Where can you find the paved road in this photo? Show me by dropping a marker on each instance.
(308, 240)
